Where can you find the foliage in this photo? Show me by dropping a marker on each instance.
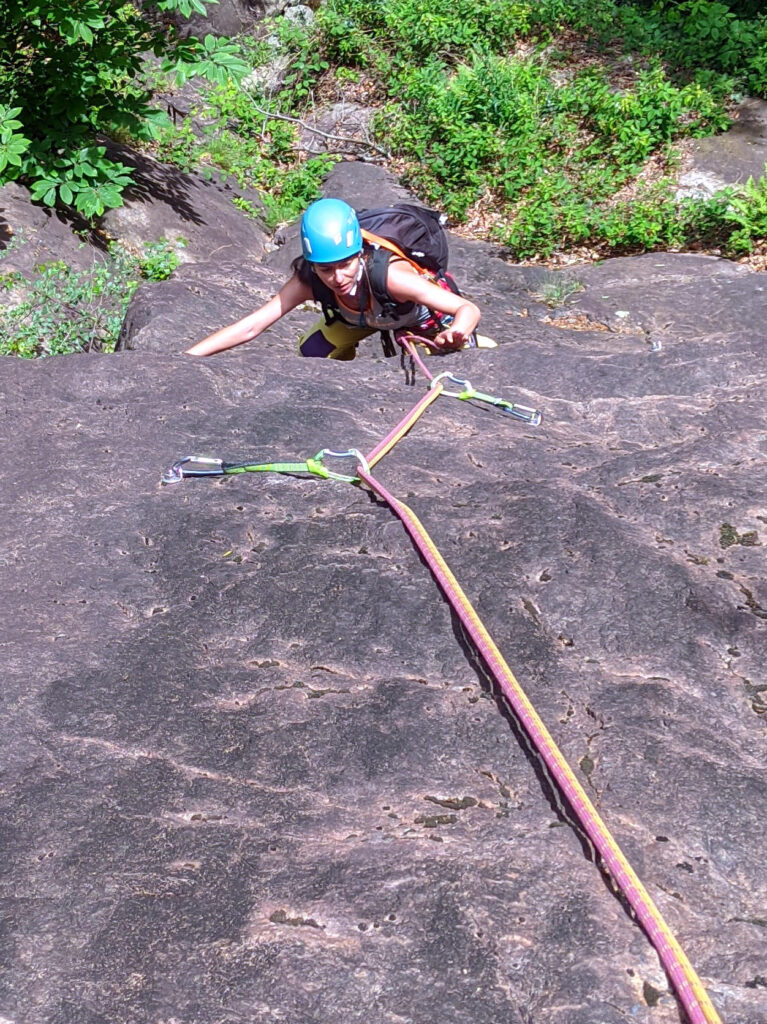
(549, 155)
(71, 70)
(652, 219)
(747, 211)
(307, 63)
(63, 310)
(12, 143)
(259, 151)
(724, 36)
(160, 259)
(485, 113)
(357, 30)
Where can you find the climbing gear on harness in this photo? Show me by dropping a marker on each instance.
(680, 971)
(330, 232)
(473, 341)
(408, 343)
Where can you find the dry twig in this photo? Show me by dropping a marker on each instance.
(347, 139)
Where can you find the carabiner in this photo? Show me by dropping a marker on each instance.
(350, 453)
(465, 384)
(522, 412)
(192, 465)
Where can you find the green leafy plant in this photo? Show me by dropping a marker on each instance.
(62, 310)
(725, 38)
(160, 258)
(86, 179)
(308, 62)
(483, 112)
(747, 210)
(12, 143)
(471, 124)
(259, 151)
(72, 69)
(247, 206)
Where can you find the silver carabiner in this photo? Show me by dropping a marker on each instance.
(192, 465)
(524, 413)
(465, 384)
(351, 453)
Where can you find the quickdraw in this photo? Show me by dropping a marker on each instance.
(520, 412)
(688, 986)
(201, 465)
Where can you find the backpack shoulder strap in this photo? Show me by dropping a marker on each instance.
(378, 268)
(324, 295)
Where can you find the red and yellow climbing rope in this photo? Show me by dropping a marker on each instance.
(681, 973)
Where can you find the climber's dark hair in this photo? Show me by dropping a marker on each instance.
(302, 270)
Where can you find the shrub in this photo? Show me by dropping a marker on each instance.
(71, 69)
(63, 310)
(259, 151)
(728, 38)
(747, 211)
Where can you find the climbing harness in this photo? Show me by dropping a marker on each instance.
(688, 986)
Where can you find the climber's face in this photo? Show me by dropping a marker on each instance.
(340, 277)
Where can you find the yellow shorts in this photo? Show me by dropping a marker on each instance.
(333, 341)
(339, 340)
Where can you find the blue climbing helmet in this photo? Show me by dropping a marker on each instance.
(330, 232)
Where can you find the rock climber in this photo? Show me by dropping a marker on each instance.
(335, 269)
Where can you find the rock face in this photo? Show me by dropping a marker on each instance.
(251, 768)
(166, 202)
(730, 158)
(230, 17)
(163, 203)
(31, 235)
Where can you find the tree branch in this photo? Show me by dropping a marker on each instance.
(325, 135)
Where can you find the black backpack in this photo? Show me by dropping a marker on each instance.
(414, 233)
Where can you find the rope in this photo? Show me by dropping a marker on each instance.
(403, 426)
(408, 343)
(684, 979)
(680, 971)
(467, 392)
